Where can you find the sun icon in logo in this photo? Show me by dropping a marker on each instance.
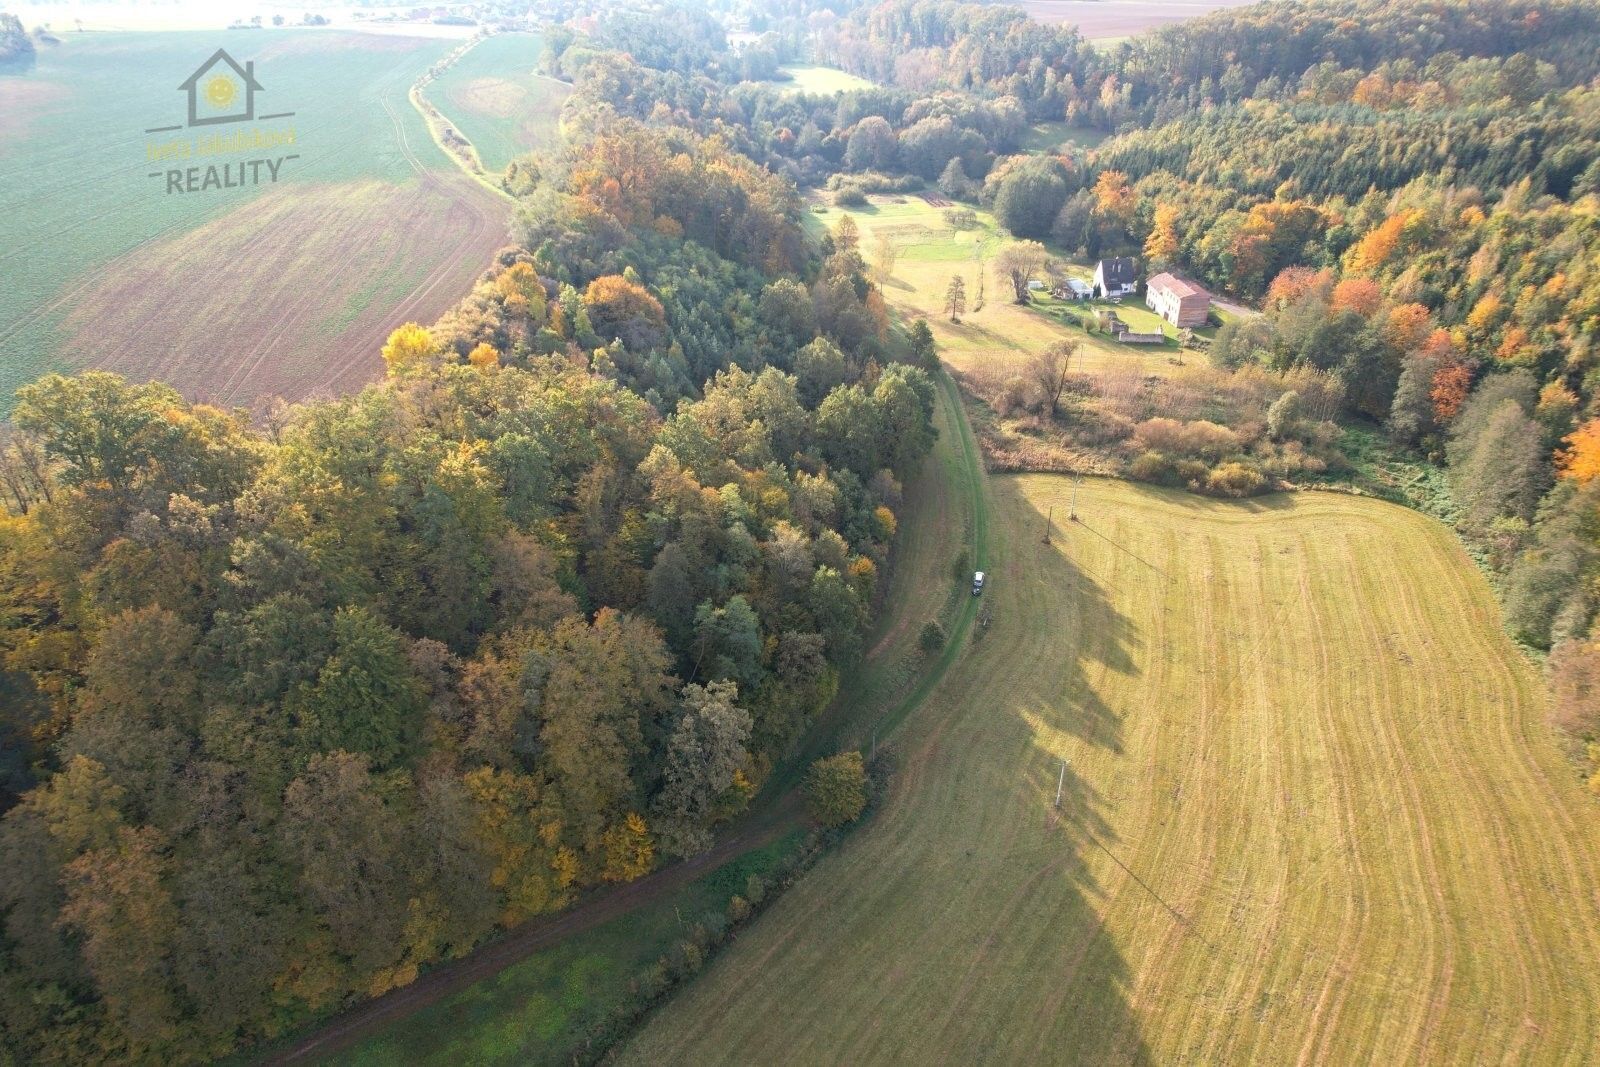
(220, 91)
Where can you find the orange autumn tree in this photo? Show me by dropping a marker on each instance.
(1451, 384)
(1580, 461)
(1360, 295)
(1114, 198)
(1379, 246)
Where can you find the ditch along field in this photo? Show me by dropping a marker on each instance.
(1310, 814)
(1003, 336)
(237, 294)
(498, 101)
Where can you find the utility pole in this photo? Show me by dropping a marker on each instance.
(1047, 520)
(1061, 780)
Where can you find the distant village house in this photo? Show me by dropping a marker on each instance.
(1115, 277)
(1184, 304)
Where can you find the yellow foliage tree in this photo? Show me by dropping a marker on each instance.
(409, 347)
(1161, 247)
(485, 357)
(1581, 459)
(629, 850)
(522, 291)
(1485, 314)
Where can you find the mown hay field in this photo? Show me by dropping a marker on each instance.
(237, 293)
(499, 102)
(1311, 813)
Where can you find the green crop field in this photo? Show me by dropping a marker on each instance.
(498, 101)
(1310, 814)
(234, 293)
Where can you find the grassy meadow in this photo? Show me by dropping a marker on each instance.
(237, 293)
(805, 78)
(1311, 813)
(928, 251)
(541, 1009)
(498, 101)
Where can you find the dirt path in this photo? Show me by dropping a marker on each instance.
(342, 1031)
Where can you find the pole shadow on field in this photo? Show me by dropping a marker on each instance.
(1064, 632)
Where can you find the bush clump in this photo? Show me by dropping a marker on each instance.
(836, 789)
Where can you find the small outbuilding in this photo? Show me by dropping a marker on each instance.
(1115, 277)
(1182, 303)
(1072, 289)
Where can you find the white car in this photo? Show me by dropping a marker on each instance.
(977, 584)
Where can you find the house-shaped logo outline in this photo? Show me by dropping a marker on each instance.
(246, 73)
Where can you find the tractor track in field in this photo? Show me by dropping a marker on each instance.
(757, 829)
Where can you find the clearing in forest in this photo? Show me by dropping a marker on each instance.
(1310, 813)
(1002, 334)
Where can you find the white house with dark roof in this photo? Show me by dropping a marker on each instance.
(1116, 277)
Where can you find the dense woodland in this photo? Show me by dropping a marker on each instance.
(297, 704)
(298, 707)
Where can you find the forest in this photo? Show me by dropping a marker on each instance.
(302, 704)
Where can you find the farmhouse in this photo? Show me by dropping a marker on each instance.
(1179, 302)
(1115, 277)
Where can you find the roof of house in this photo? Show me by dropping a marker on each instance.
(1176, 285)
(1121, 269)
(1078, 285)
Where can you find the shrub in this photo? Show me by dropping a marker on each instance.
(932, 638)
(1236, 479)
(1191, 473)
(1150, 467)
(836, 789)
(1199, 438)
(1016, 394)
(1575, 687)
(850, 196)
(961, 218)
